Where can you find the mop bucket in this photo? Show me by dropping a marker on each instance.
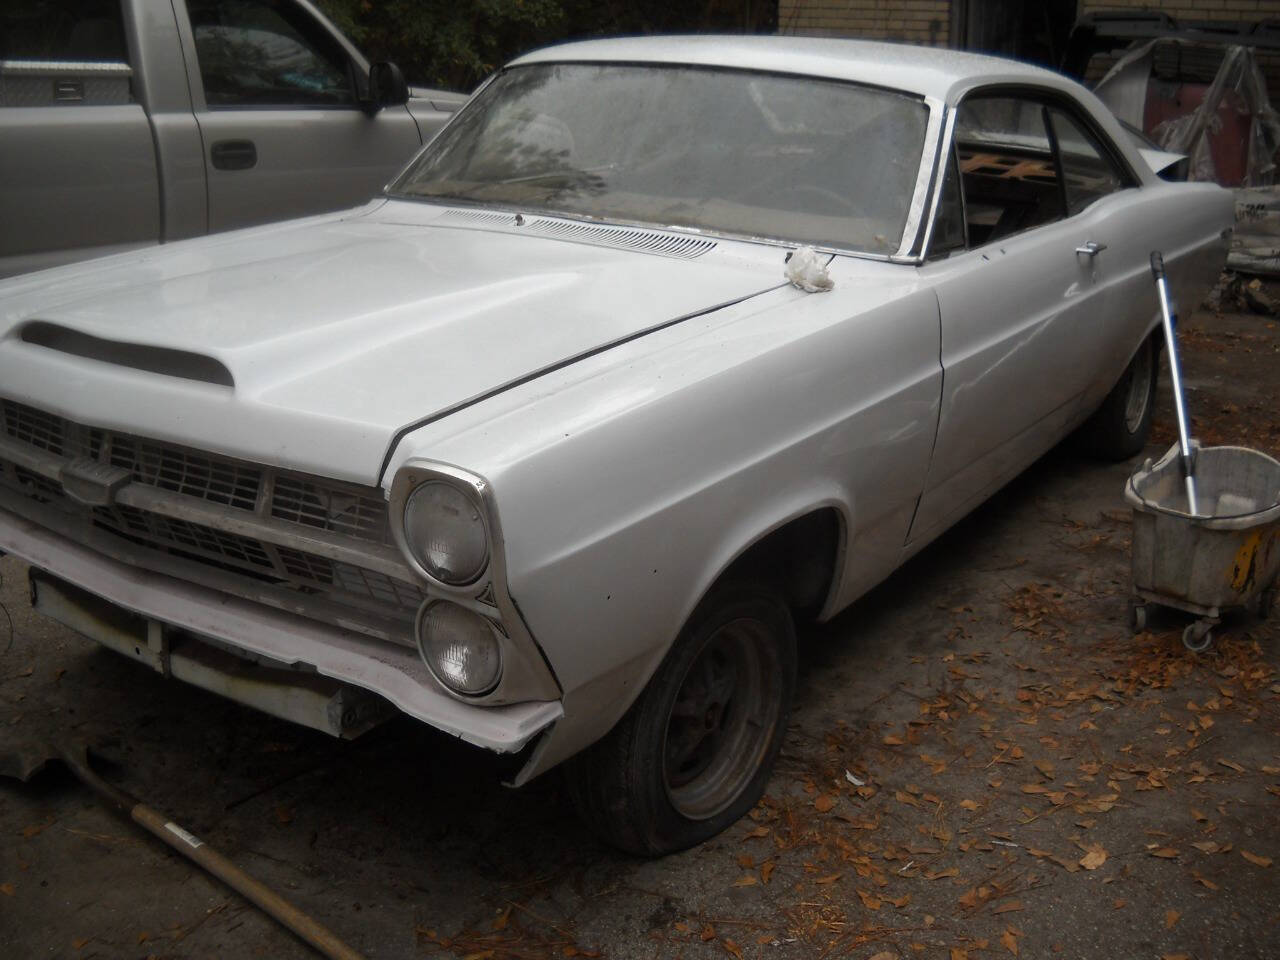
(1226, 557)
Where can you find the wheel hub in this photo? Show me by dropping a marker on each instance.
(719, 726)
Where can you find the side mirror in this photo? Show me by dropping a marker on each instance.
(387, 87)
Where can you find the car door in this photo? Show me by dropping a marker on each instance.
(77, 162)
(276, 94)
(1023, 297)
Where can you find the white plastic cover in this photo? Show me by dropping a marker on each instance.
(807, 269)
(1124, 90)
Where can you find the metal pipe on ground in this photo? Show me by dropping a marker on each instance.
(28, 760)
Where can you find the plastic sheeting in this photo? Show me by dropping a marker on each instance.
(1238, 85)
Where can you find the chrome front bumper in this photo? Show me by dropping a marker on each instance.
(393, 672)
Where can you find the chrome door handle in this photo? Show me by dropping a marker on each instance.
(1091, 249)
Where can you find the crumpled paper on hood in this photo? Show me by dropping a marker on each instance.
(807, 269)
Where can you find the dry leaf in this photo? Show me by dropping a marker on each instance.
(757, 832)
(79, 943)
(824, 802)
(1256, 860)
(501, 920)
(969, 804)
(1119, 903)
(1010, 941)
(958, 953)
(7, 889)
(708, 933)
(902, 901)
(1206, 846)
(869, 901)
(1095, 856)
(892, 741)
(949, 872)
(1165, 853)
(885, 955)
(1203, 880)
(1009, 907)
(830, 878)
(766, 871)
(731, 948)
(1198, 816)
(1230, 765)
(1170, 918)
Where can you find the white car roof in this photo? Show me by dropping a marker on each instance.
(927, 71)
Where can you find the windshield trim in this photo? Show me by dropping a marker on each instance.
(910, 230)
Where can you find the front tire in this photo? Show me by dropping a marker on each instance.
(694, 752)
(1120, 427)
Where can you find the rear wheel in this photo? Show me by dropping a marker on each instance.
(693, 753)
(1120, 427)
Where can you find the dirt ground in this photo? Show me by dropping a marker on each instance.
(983, 762)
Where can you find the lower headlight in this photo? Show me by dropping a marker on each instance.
(460, 648)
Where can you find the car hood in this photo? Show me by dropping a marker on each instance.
(327, 336)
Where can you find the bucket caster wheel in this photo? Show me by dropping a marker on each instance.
(1137, 616)
(1198, 636)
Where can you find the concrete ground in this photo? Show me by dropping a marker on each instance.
(983, 762)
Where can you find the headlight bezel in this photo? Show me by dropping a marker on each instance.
(525, 671)
(407, 482)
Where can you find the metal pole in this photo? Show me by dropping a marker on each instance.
(1175, 372)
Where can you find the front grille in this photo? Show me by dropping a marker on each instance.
(351, 514)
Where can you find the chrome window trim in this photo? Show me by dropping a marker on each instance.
(526, 672)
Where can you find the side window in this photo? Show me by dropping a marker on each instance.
(58, 30)
(1087, 173)
(257, 53)
(948, 229)
(1008, 173)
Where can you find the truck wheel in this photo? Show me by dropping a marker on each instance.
(694, 752)
(1120, 427)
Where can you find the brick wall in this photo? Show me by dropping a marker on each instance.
(914, 21)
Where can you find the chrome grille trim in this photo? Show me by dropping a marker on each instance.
(315, 538)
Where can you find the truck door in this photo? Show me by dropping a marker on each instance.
(77, 162)
(276, 94)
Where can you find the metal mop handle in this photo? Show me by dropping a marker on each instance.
(1184, 437)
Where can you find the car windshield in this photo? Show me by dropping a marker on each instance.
(728, 151)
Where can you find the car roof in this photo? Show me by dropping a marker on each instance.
(927, 71)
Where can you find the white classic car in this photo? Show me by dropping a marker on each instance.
(544, 448)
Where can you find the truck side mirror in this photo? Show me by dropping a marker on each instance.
(387, 86)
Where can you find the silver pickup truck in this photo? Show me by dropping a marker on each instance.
(133, 122)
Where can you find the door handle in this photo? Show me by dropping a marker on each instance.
(1091, 249)
(233, 154)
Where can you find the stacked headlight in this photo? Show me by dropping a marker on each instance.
(459, 647)
(444, 528)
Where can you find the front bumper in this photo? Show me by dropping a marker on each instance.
(392, 672)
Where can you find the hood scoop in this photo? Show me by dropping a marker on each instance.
(599, 235)
(163, 360)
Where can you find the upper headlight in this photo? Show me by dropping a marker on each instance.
(444, 528)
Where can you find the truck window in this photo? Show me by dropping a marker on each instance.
(262, 53)
(62, 30)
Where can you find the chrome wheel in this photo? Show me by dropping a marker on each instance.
(1139, 393)
(721, 722)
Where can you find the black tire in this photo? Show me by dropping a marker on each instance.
(654, 784)
(1118, 431)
